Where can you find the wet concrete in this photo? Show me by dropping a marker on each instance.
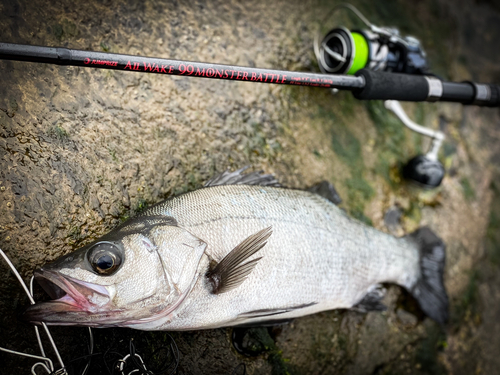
(81, 150)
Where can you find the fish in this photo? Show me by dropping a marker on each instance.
(241, 251)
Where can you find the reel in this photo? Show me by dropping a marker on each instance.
(383, 49)
(376, 48)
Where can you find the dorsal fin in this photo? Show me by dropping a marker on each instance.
(239, 178)
(327, 191)
(232, 270)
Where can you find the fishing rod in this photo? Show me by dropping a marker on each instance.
(375, 63)
(367, 84)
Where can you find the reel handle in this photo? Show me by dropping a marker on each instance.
(416, 88)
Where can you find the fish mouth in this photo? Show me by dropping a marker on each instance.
(74, 302)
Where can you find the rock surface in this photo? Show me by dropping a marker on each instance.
(82, 150)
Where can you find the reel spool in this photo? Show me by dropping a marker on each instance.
(376, 48)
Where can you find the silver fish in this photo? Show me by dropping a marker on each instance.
(240, 251)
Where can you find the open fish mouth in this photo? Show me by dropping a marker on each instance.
(73, 301)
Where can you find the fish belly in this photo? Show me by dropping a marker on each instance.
(316, 259)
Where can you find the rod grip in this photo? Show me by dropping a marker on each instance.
(385, 85)
(494, 100)
(485, 95)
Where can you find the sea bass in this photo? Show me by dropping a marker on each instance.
(240, 251)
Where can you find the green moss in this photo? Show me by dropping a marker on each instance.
(346, 103)
(359, 192)
(105, 46)
(469, 298)
(468, 189)
(343, 142)
(414, 212)
(360, 187)
(342, 342)
(358, 214)
(58, 31)
(347, 147)
(58, 132)
(141, 205)
(384, 166)
(260, 142)
(125, 214)
(390, 142)
(65, 30)
(258, 340)
(466, 305)
(449, 149)
(419, 115)
(428, 351)
(390, 131)
(280, 365)
(75, 235)
(335, 114)
(112, 152)
(493, 231)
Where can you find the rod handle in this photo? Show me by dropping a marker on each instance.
(418, 88)
(395, 86)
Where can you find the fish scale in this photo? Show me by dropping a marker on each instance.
(316, 254)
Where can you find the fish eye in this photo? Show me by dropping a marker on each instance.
(105, 258)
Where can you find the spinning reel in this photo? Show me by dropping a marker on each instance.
(376, 48)
(383, 49)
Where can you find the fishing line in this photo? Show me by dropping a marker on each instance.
(168, 366)
(174, 351)
(44, 359)
(139, 362)
(113, 368)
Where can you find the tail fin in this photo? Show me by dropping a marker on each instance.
(429, 290)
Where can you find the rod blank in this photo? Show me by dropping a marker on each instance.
(102, 60)
(366, 85)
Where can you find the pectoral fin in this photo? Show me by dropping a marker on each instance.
(233, 270)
